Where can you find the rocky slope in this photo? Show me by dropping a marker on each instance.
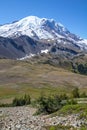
(21, 118)
(20, 47)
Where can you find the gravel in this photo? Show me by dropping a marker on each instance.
(22, 118)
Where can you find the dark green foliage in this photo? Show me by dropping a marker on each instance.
(5, 105)
(83, 95)
(25, 100)
(82, 68)
(49, 104)
(42, 102)
(71, 102)
(75, 93)
(53, 104)
(63, 97)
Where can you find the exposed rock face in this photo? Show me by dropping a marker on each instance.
(23, 46)
(20, 46)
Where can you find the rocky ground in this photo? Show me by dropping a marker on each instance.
(22, 118)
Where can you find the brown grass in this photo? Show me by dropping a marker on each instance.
(19, 77)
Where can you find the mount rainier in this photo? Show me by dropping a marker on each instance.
(32, 35)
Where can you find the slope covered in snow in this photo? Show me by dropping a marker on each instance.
(29, 26)
(32, 26)
(23, 36)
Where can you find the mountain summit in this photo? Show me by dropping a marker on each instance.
(33, 26)
(47, 33)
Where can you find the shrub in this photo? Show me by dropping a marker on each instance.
(82, 68)
(25, 100)
(5, 105)
(83, 95)
(71, 102)
(75, 93)
(63, 97)
(49, 104)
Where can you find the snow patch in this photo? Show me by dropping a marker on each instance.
(26, 57)
(60, 24)
(85, 41)
(45, 51)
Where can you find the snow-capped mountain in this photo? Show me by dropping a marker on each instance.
(33, 26)
(46, 32)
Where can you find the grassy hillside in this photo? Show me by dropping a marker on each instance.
(34, 77)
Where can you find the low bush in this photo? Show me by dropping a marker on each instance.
(25, 100)
(5, 105)
(49, 104)
(75, 93)
(71, 102)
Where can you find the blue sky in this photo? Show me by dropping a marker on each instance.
(71, 13)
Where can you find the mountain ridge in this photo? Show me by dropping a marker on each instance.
(46, 32)
(31, 22)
